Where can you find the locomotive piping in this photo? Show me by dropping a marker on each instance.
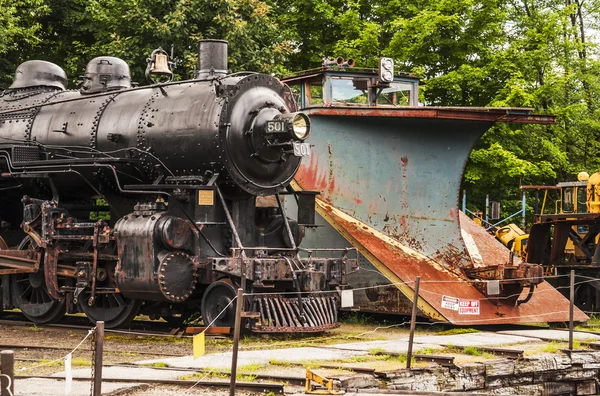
(118, 184)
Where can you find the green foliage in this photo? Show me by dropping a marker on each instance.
(487, 53)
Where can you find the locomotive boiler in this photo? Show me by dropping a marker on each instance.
(162, 199)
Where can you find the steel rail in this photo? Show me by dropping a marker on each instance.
(57, 348)
(273, 377)
(251, 386)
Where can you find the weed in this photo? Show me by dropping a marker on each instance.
(245, 378)
(358, 318)
(198, 376)
(427, 351)
(251, 367)
(376, 351)
(470, 350)
(554, 346)
(157, 365)
(594, 320)
(458, 330)
(275, 362)
(35, 328)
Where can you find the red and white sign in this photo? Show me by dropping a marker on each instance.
(468, 307)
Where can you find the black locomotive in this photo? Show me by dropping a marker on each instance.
(162, 200)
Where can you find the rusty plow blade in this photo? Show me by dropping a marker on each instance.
(389, 183)
(450, 296)
(311, 314)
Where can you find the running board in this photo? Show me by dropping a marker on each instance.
(276, 314)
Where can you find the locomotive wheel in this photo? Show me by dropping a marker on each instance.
(216, 297)
(114, 309)
(31, 296)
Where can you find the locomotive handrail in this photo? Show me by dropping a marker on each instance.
(108, 93)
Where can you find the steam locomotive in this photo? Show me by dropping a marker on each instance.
(161, 200)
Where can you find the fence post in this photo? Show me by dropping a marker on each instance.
(236, 339)
(487, 210)
(523, 209)
(98, 350)
(7, 367)
(413, 319)
(571, 303)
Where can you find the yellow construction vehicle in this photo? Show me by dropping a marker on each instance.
(513, 238)
(568, 239)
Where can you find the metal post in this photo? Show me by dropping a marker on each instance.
(236, 339)
(572, 301)
(487, 209)
(413, 319)
(7, 367)
(464, 203)
(523, 209)
(98, 349)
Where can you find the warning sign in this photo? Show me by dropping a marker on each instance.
(450, 303)
(468, 307)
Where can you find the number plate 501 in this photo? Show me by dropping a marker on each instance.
(301, 149)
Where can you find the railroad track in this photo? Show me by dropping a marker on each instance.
(76, 323)
(276, 388)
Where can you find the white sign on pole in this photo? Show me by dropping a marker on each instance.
(347, 298)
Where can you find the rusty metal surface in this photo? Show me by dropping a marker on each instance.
(296, 315)
(489, 114)
(485, 249)
(437, 282)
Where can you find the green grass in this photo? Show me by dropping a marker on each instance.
(35, 328)
(427, 351)
(156, 365)
(146, 339)
(458, 330)
(216, 374)
(275, 362)
(470, 350)
(251, 367)
(594, 320)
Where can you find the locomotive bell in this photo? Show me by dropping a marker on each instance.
(158, 64)
(105, 73)
(38, 73)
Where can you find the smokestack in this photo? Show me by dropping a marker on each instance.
(212, 58)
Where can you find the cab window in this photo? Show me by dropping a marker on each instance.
(316, 94)
(349, 91)
(397, 94)
(296, 92)
(567, 200)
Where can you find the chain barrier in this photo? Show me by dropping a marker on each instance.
(93, 368)
(90, 332)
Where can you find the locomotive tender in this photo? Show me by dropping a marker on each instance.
(193, 175)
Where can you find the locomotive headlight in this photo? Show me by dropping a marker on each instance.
(300, 126)
(292, 125)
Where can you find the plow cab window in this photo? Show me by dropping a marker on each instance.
(349, 91)
(397, 94)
